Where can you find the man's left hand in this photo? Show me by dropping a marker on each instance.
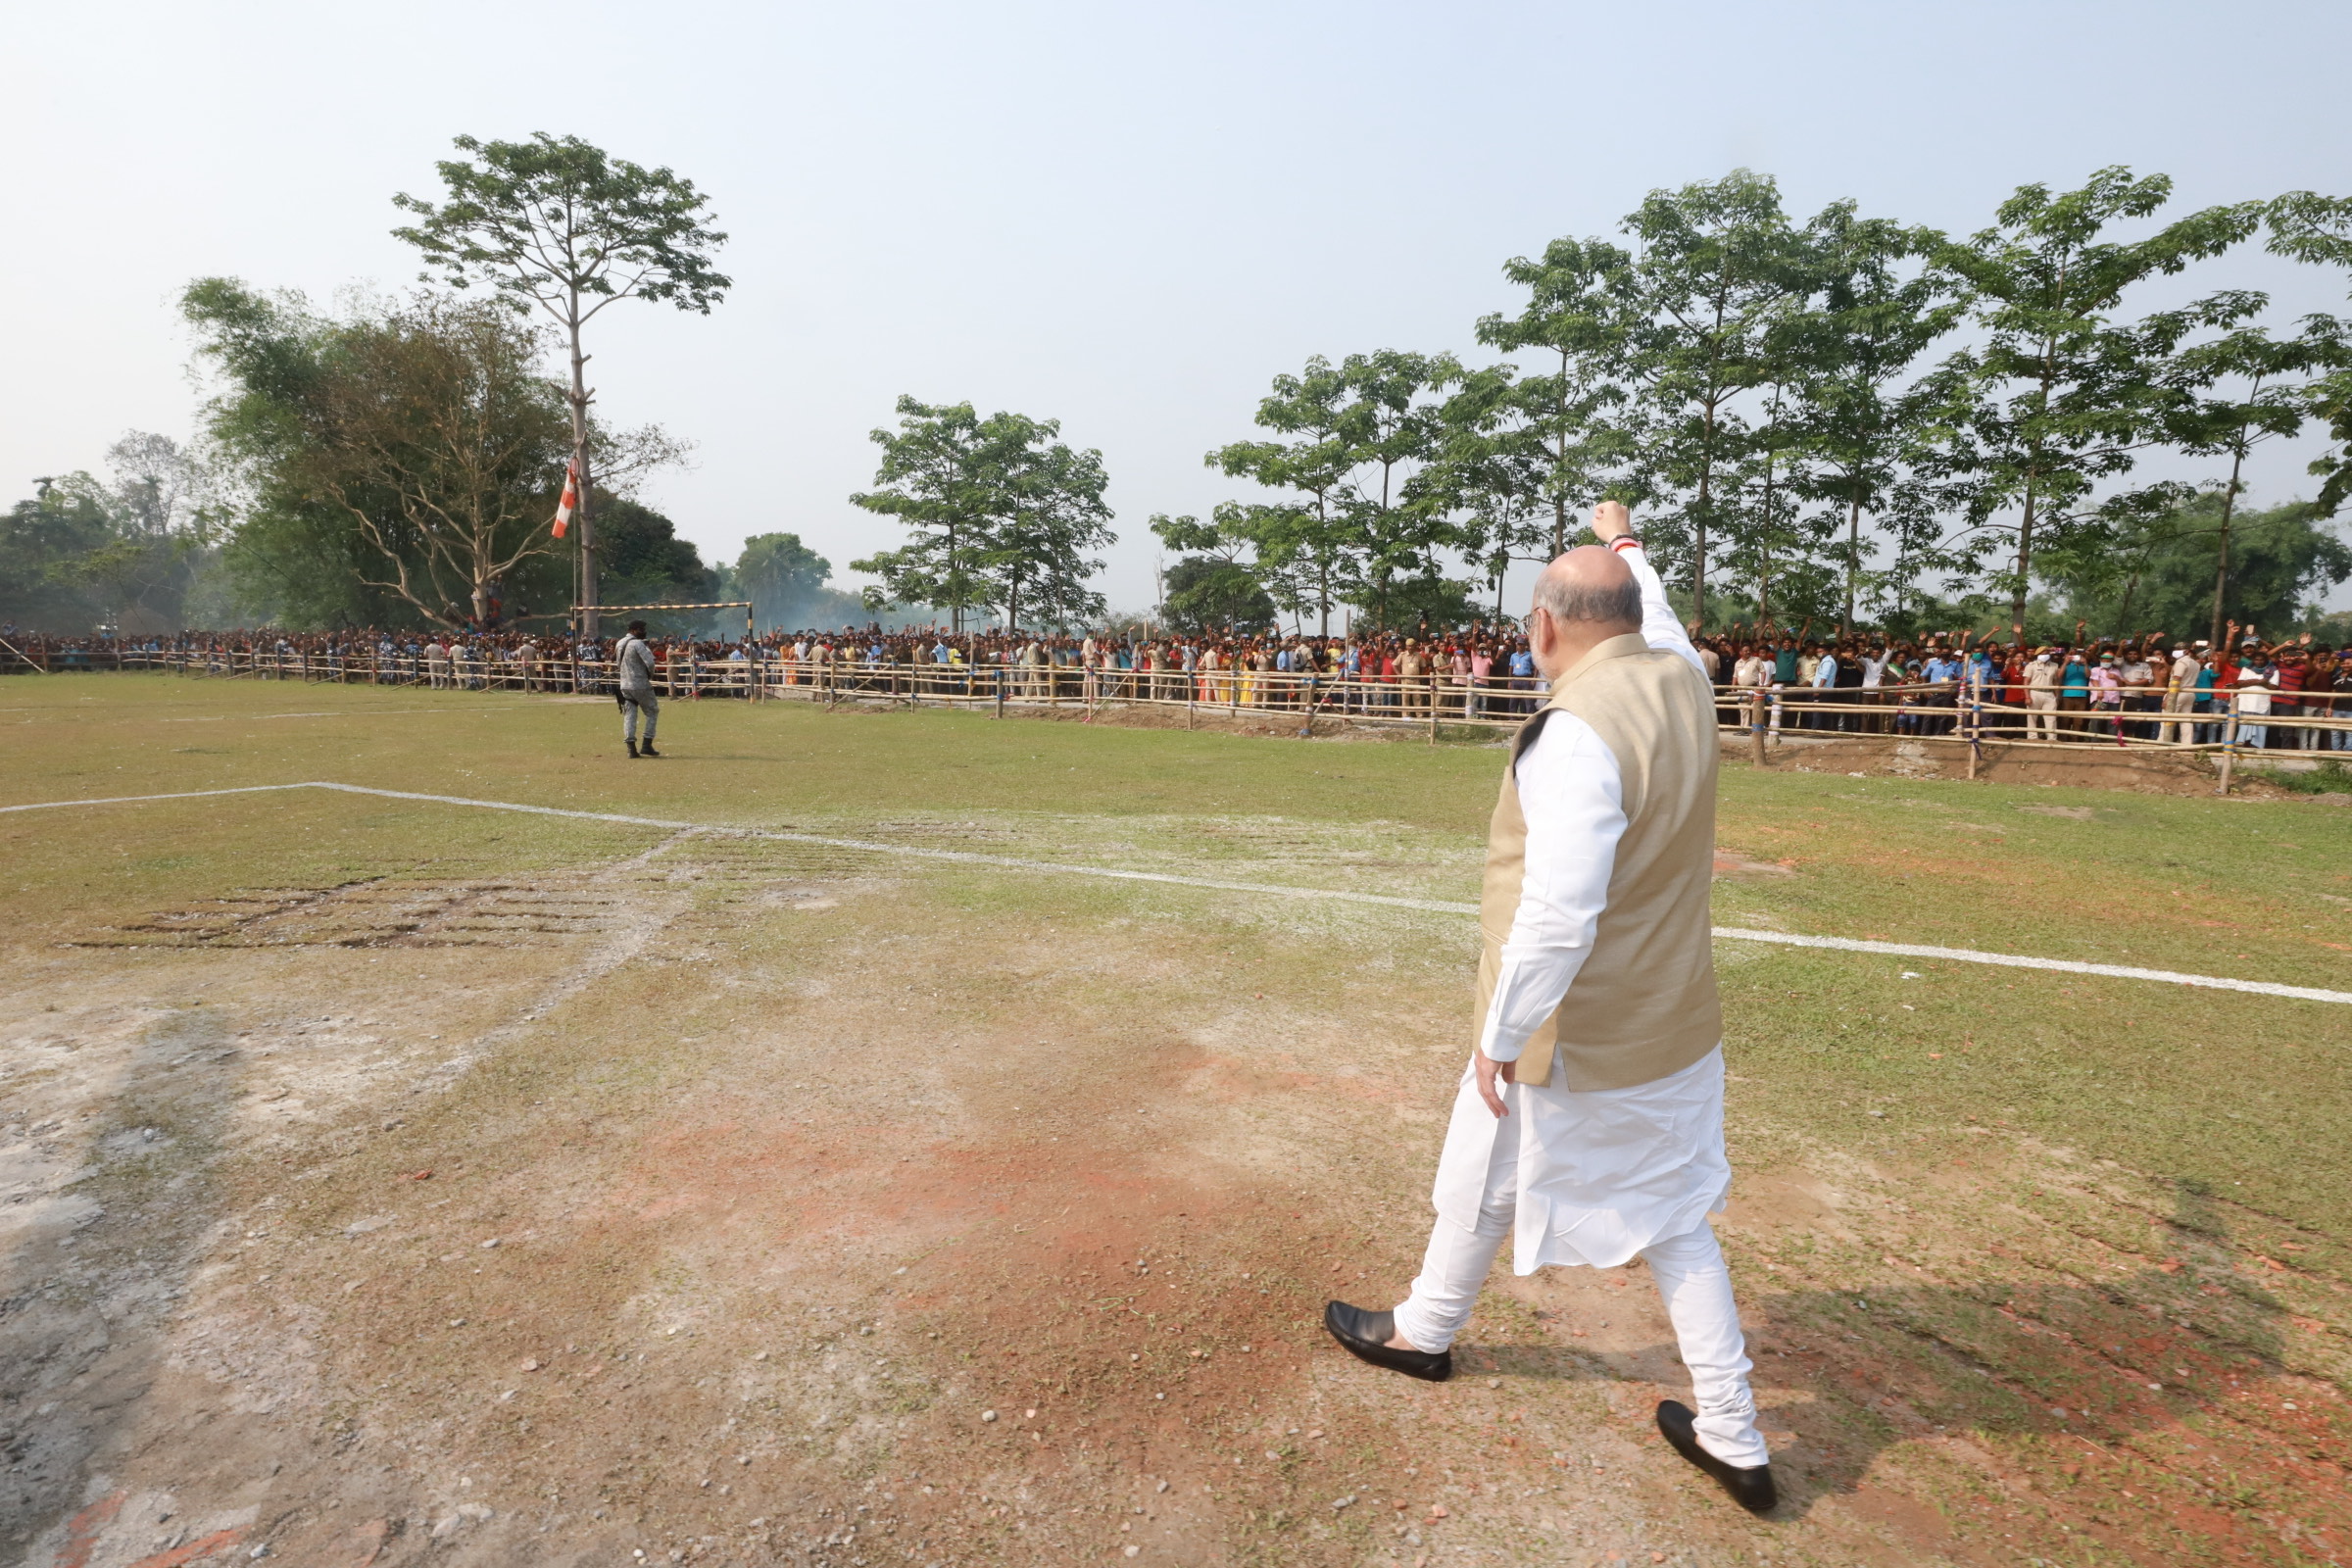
(1491, 1072)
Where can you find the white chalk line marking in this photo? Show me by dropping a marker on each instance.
(1899, 950)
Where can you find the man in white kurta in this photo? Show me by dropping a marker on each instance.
(1593, 1176)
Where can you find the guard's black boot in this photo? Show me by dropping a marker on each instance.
(1366, 1334)
(645, 748)
(1750, 1486)
(630, 744)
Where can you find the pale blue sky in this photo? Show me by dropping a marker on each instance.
(1126, 218)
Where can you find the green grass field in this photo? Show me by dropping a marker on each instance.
(2121, 1069)
(1966, 1150)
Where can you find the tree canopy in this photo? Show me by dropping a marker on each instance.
(1001, 515)
(1825, 421)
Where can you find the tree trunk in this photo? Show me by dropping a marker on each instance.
(2220, 571)
(1559, 460)
(1853, 563)
(584, 512)
(1699, 526)
(2025, 557)
(1764, 537)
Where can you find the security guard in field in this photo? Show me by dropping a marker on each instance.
(633, 673)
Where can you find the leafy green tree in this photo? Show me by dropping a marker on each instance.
(938, 477)
(1577, 323)
(400, 461)
(1052, 512)
(1003, 515)
(648, 563)
(1206, 594)
(2239, 390)
(782, 577)
(560, 225)
(292, 557)
(1496, 472)
(2160, 572)
(2315, 229)
(1862, 414)
(1305, 541)
(1765, 538)
(1717, 264)
(2058, 397)
(43, 543)
(1396, 528)
(1360, 435)
(1271, 536)
(158, 518)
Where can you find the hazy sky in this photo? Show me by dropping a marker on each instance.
(1127, 218)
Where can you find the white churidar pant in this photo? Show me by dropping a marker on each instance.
(1613, 1174)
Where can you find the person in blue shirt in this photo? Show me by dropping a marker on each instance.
(2073, 696)
(1523, 677)
(1942, 673)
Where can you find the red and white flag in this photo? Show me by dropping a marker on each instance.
(572, 498)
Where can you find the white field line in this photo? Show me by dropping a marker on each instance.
(2013, 961)
(1899, 950)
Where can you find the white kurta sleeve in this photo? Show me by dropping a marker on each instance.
(1659, 628)
(1573, 801)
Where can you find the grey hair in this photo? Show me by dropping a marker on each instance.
(1617, 605)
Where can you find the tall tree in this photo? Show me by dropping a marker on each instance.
(936, 478)
(2241, 389)
(433, 432)
(1002, 513)
(558, 223)
(1578, 322)
(2058, 396)
(1862, 414)
(1396, 527)
(1051, 512)
(1717, 263)
(1498, 471)
(1306, 541)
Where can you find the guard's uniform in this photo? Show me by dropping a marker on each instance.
(633, 669)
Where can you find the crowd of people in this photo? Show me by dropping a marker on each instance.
(2285, 696)
(2290, 695)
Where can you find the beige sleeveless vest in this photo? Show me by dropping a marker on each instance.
(1643, 1006)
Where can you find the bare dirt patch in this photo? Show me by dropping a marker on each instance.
(2088, 767)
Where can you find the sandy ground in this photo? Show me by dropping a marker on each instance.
(717, 1201)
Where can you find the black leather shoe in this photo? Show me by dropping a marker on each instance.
(646, 749)
(1750, 1486)
(1366, 1334)
(630, 744)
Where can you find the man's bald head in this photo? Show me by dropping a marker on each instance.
(1591, 588)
